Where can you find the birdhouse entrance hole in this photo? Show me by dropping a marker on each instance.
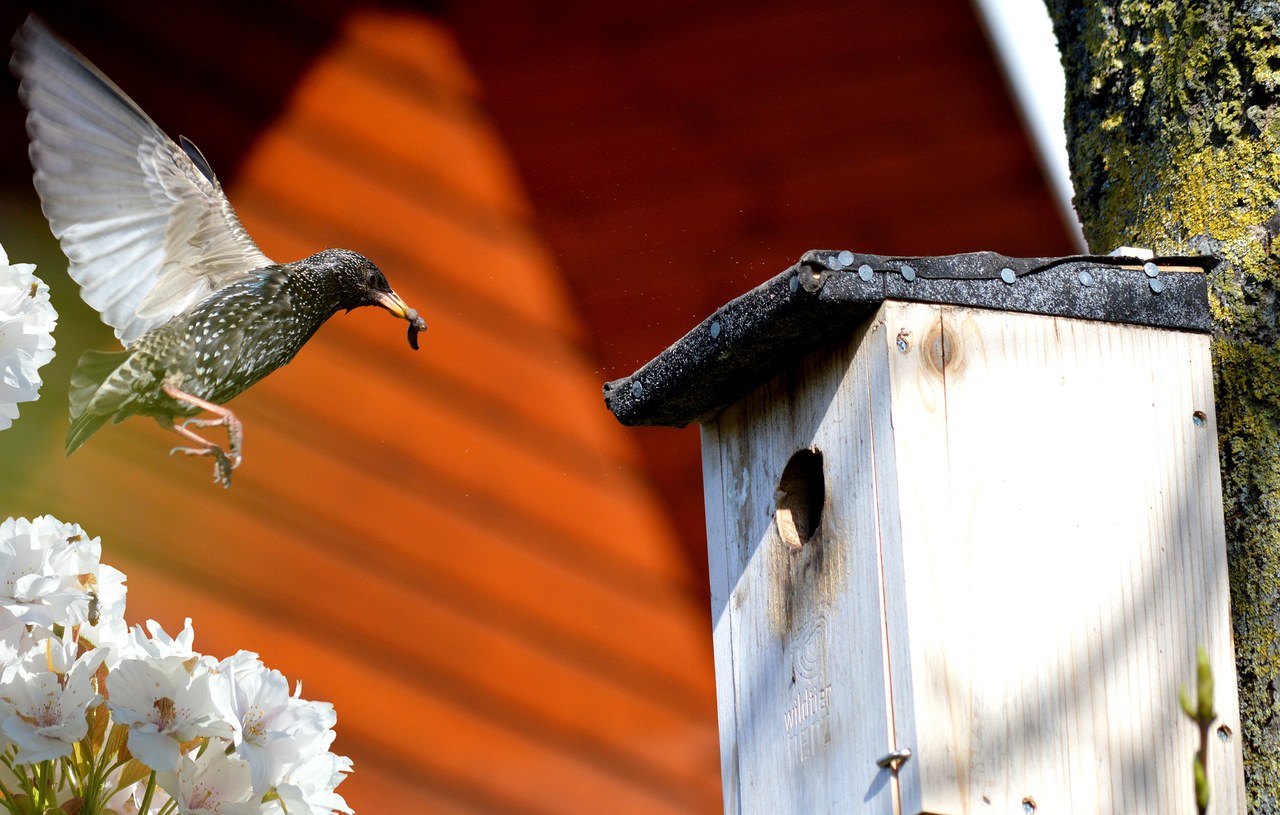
(802, 491)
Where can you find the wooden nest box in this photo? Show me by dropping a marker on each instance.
(965, 530)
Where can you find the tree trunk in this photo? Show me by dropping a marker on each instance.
(1173, 122)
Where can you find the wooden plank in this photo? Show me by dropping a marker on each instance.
(796, 627)
(721, 507)
(1058, 582)
(915, 422)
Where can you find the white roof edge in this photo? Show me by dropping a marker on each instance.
(1023, 38)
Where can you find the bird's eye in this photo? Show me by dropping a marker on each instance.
(373, 280)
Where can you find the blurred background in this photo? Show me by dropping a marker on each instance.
(501, 589)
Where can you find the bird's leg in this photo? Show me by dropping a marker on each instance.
(224, 462)
(235, 430)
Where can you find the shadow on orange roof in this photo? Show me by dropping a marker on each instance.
(456, 547)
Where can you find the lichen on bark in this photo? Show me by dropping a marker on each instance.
(1173, 127)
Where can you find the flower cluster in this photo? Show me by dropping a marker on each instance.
(27, 320)
(97, 717)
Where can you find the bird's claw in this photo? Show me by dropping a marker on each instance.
(224, 460)
(222, 468)
(222, 463)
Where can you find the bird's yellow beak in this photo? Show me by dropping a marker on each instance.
(393, 303)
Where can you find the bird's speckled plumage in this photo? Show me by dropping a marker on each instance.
(158, 250)
(226, 343)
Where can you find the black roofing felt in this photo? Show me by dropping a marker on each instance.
(824, 296)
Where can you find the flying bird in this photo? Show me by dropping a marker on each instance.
(158, 251)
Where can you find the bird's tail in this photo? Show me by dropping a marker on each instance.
(91, 372)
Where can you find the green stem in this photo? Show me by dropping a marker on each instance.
(87, 789)
(145, 806)
(1203, 757)
(9, 803)
(23, 781)
(24, 776)
(95, 792)
(70, 776)
(44, 782)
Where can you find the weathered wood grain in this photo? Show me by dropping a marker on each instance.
(1020, 551)
(799, 651)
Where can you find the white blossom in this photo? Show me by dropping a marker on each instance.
(112, 636)
(102, 587)
(27, 320)
(15, 641)
(267, 728)
(222, 738)
(155, 642)
(166, 702)
(309, 788)
(50, 574)
(212, 784)
(47, 697)
(283, 737)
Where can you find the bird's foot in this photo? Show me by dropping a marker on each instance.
(233, 459)
(222, 463)
(222, 467)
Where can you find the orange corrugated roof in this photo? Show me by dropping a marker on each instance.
(678, 153)
(457, 547)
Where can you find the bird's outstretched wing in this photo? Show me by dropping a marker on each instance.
(143, 222)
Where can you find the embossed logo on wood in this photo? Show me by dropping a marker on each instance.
(807, 717)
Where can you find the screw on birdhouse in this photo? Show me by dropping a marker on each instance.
(1224, 733)
(715, 329)
(1157, 285)
(1199, 418)
(1086, 278)
(908, 273)
(636, 388)
(845, 259)
(904, 340)
(1008, 275)
(866, 272)
(1028, 805)
(892, 761)
(1150, 269)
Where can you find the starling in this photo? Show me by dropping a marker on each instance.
(158, 251)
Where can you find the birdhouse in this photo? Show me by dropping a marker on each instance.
(965, 531)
